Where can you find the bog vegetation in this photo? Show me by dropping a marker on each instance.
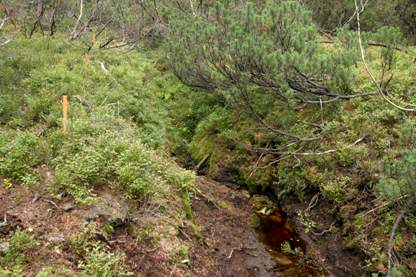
(288, 97)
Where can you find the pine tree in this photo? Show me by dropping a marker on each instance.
(249, 46)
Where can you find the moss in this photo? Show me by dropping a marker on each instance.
(352, 244)
(334, 190)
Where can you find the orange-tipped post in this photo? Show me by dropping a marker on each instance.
(65, 113)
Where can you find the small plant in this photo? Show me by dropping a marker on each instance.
(82, 242)
(20, 245)
(99, 263)
(288, 250)
(7, 183)
(180, 254)
(306, 221)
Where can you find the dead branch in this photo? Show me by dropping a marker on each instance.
(6, 42)
(375, 44)
(241, 248)
(52, 26)
(356, 11)
(314, 201)
(51, 202)
(297, 153)
(3, 22)
(232, 252)
(328, 151)
(391, 241)
(385, 204)
(367, 68)
(198, 166)
(320, 234)
(118, 45)
(258, 161)
(247, 100)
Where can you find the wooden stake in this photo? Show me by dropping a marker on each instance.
(65, 113)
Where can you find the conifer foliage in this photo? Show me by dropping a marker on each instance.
(272, 46)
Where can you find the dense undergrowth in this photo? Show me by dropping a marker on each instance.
(117, 134)
(266, 118)
(366, 155)
(128, 114)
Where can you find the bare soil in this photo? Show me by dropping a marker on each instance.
(227, 239)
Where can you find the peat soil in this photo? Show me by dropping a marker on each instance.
(236, 242)
(229, 236)
(325, 242)
(52, 223)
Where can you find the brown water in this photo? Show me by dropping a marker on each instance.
(274, 230)
(239, 243)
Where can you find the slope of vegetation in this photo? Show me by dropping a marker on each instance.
(117, 127)
(293, 99)
(298, 117)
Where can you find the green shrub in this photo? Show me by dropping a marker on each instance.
(20, 153)
(99, 263)
(397, 179)
(21, 244)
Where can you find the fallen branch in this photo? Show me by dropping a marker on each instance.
(6, 42)
(51, 202)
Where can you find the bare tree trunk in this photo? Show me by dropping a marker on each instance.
(81, 11)
(40, 11)
(52, 27)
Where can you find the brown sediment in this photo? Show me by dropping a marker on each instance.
(237, 246)
(230, 238)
